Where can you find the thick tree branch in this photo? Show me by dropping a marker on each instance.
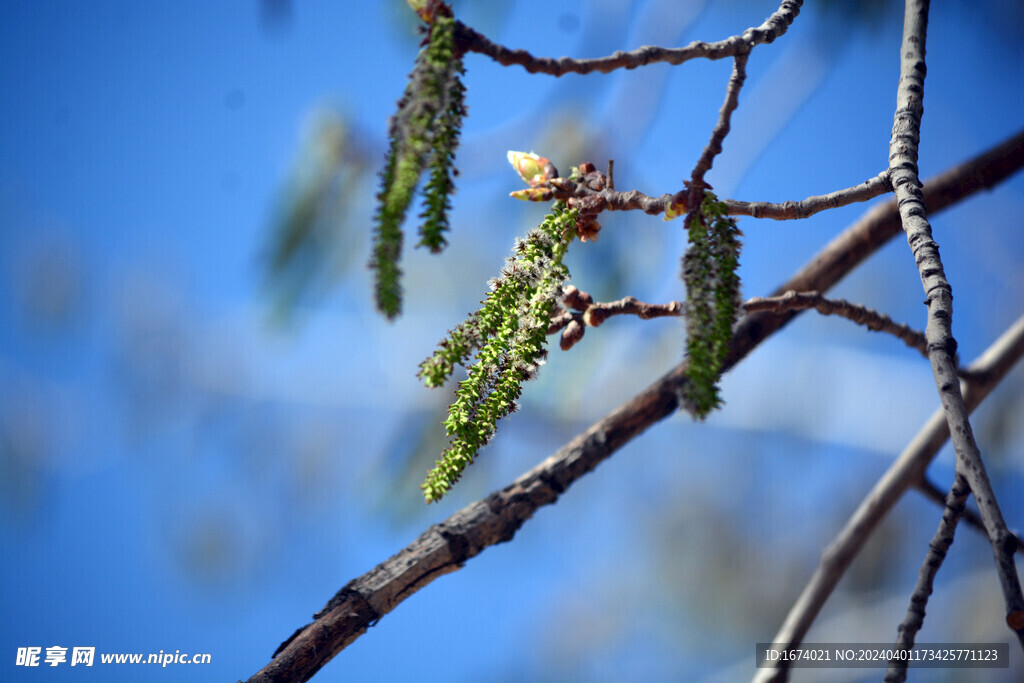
(908, 469)
(773, 27)
(939, 299)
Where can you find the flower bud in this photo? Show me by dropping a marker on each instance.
(574, 298)
(677, 207)
(587, 227)
(532, 194)
(594, 316)
(572, 333)
(530, 167)
(595, 180)
(422, 8)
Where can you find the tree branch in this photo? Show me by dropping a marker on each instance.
(722, 126)
(939, 300)
(773, 27)
(635, 200)
(971, 518)
(592, 314)
(445, 547)
(589, 313)
(954, 507)
(873, 320)
(785, 211)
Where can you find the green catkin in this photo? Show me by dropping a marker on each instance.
(509, 336)
(712, 301)
(423, 132)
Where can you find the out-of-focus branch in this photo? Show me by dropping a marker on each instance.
(445, 547)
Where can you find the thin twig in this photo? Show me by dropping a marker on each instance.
(908, 469)
(634, 200)
(592, 314)
(598, 313)
(903, 149)
(873, 320)
(589, 313)
(445, 547)
(773, 27)
(785, 211)
(693, 193)
(723, 125)
(971, 518)
(955, 505)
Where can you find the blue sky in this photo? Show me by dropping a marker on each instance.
(180, 474)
